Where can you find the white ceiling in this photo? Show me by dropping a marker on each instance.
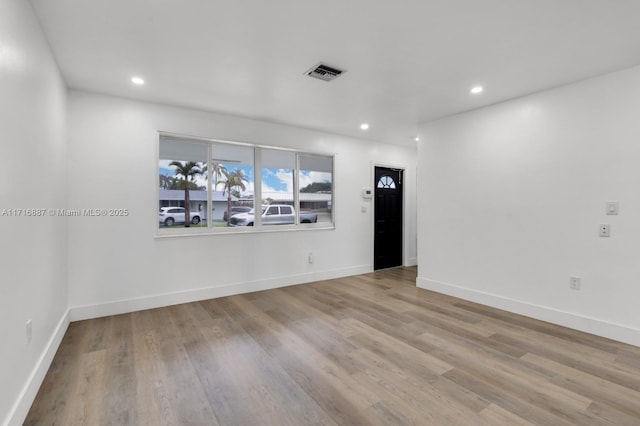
(407, 61)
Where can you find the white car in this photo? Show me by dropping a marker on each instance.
(274, 214)
(171, 215)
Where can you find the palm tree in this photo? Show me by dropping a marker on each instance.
(218, 170)
(165, 181)
(188, 170)
(234, 181)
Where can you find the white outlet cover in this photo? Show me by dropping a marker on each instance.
(574, 283)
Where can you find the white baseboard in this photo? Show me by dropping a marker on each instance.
(79, 313)
(595, 326)
(28, 394)
(412, 261)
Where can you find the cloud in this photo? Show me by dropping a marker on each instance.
(307, 178)
(286, 179)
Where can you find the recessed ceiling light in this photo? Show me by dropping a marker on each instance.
(417, 139)
(137, 80)
(477, 89)
(364, 126)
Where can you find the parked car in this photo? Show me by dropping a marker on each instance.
(274, 214)
(236, 209)
(171, 215)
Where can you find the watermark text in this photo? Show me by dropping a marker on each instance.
(51, 212)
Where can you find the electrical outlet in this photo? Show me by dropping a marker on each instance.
(310, 258)
(574, 283)
(28, 330)
(604, 230)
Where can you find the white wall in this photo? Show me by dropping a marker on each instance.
(32, 175)
(511, 197)
(117, 264)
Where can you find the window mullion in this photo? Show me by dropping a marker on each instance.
(209, 211)
(257, 187)
(296, 189)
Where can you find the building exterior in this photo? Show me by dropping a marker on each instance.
(198, 201)
(317, 202)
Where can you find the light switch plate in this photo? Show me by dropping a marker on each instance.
(612, 207)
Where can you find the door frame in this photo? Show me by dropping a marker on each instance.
(372, 179)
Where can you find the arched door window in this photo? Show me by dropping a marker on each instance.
(386, 182)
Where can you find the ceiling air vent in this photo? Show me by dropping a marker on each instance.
(324, 72)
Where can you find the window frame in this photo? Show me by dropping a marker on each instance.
(258, 227)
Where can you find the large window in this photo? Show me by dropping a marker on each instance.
(223, 186)
(182, 183)
(277, 176)
(232, 177)
(316, 188)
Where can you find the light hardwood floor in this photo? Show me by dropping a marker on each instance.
(364, 350)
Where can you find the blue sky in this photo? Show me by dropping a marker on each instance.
(278, 180)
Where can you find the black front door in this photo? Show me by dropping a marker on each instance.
(388, 218)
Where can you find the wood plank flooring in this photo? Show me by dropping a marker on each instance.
(365, 350)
